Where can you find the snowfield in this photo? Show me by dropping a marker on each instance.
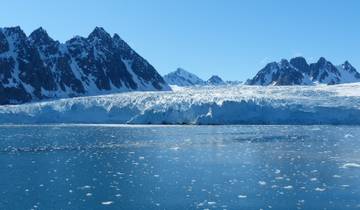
(321, 104)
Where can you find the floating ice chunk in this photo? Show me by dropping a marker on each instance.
(320, 189)
(242, 196)
(175, 148)
(84, 187)
(277, 171)
(351, 165)
(262, 183)
(211, 203)
(107, 203)
(289, 187)
(348, 136)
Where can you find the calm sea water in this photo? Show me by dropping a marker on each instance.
(179, 167)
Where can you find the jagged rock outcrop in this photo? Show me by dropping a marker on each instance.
(215, 80)
(36, 67)
(299, 72)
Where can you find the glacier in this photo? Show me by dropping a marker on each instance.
(232, 104)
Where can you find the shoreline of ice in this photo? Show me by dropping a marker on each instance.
(297, 105)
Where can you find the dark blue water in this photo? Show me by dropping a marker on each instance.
(179, 167)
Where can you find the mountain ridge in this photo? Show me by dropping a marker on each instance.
(215, 80)
(37, 67)
(297, 71)
(181, 77)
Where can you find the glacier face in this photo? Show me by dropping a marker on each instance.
(337, 104)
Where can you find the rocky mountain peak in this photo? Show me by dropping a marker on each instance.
(215, 80)
(42, 68)
(348, 67)
(300, 63)
(15, 33)
(299, 72)
(14, 30)
(181, 77)
(181, 71)
(4, 45)
(99, 33)
(348, 70)
(322, 62)
(40, 36)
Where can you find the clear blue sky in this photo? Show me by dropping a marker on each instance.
(233, 39)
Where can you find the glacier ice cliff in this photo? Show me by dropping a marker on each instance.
(337, 104)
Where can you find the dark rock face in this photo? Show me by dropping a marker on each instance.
(301, 64)
(347, 67)
(282, 73)
(4, 45)
(321, 71)
(215, 80)
(287, 74)
(37, 67)
(299, 72)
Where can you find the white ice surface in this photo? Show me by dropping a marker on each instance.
(321, 104)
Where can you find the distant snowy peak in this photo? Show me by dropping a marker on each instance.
(281, 73)
(298, 72)
(348, 73)
(36, 67)
(181, 77)
(215, 80)
(233, 82)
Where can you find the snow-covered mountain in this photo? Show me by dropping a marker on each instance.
(215, 80)
(233, 82)
(298, 72)
(181, 77)
(242, 104)
(37, 67)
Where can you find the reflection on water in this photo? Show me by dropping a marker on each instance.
(179, 167)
